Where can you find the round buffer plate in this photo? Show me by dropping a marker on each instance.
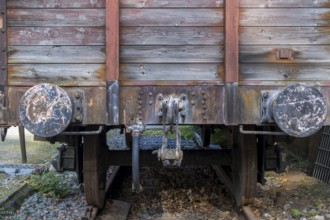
(45, 110)
(300, 110)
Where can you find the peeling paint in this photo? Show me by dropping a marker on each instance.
(300, 110)
(45, 110)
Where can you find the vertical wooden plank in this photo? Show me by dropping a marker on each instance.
(231, 40)
(3, 43)
(112, 39)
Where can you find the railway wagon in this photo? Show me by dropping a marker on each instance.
(71, 70)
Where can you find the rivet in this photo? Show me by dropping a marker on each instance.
(150, 102)
(3, 68)
(150, 93)
(193, 102)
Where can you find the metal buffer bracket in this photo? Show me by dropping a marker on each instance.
(136, 130)
(171, 109)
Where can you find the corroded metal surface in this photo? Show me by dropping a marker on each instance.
(45, 110)
(203, 104)
(300, 110)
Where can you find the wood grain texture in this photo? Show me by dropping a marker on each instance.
(171, 17)
(302, 54)
(56, 4)
(177, 72)
(112, 39)
(231, 41)
(171, 4)
(56, 36)
(72, 74)
(284, 35)
(171, 35)
(285, 3)
(285, 72)
(171, 54)
(56, 17)
(56, 54)
(303, 17)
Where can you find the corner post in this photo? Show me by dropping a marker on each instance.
(231, 60)
(112, 60)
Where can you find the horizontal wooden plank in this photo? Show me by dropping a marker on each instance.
(302, 54)
(19, 74)
(284, 35)
(171, 83)
(56, 54)
(55, 17)
(303, 17)
(171, 54)
(171, 4)
(288, 72)
(55, 4)
(171, 17)
(56, 36)
(171, 72)
(171, 35)
(285, 3)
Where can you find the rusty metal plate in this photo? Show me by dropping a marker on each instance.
(45, 110)
(300, 110)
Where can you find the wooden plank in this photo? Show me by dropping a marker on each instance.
(171, 83)
(288, 72)
(3, 50)
(171, 17)
(112, 39)
(284, 35)
(116, 210)
(171, 72)
(171, 4)
(73, 74)
(310, 17)
(56, 36)
(171, 54)
(56, 4)
(171, 35)
(231, 41)
(55, 17)
(56, 54)
(302, 54)
(285, 3)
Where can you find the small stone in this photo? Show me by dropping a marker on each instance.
(267, 215)
(319, 217)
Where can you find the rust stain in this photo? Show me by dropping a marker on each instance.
(101, 71)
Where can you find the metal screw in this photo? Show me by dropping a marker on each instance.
(77, 96)
(265, 95)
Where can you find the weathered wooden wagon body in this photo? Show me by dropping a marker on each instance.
(77, 68)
